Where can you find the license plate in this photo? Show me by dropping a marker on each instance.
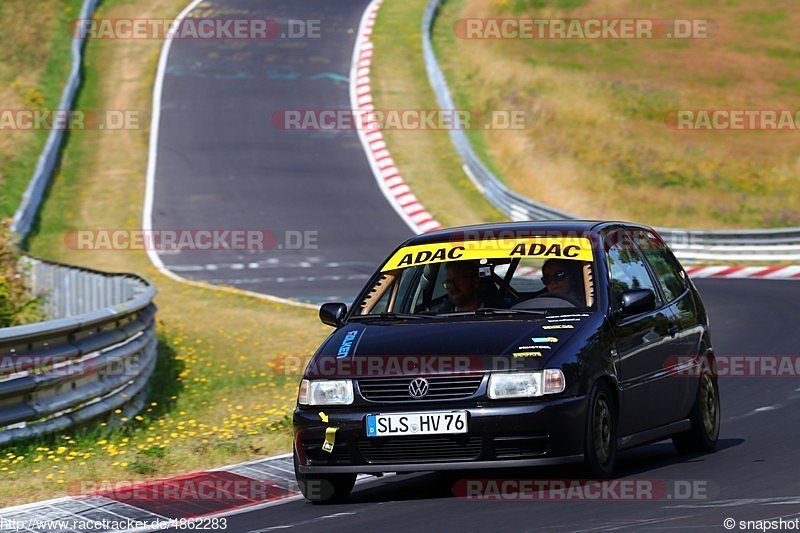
(417, 424)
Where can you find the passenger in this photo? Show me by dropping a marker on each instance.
(560, 276)
(463, 285)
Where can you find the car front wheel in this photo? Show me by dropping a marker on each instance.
(324, 488)
(600, 448)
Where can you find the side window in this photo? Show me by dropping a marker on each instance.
(668, 273)
(627, 270)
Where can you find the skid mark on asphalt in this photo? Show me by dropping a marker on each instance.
(632, 523)
(304, 522)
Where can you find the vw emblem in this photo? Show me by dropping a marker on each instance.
(418, 388)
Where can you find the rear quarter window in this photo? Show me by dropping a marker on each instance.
(665, 267)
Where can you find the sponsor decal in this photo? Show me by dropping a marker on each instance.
(574, 248)
(559, 326)
(544, 339)
(527, 354)
(565, 320)
(347, 343)
(536, 347)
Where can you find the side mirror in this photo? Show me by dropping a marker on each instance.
(332, 314)
(637, 301)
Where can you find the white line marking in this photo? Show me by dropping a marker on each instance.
(147, 209)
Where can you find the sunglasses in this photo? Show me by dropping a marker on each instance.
(554, 277)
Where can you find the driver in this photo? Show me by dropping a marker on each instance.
(462, 283)
(559, 277)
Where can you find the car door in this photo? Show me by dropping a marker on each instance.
(642, 342)
(687, 328)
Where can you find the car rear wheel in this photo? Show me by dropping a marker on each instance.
(705, 417)
(324, 488)
(600, 448)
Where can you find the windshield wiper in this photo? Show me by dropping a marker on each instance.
(497, 311)
(391, 316)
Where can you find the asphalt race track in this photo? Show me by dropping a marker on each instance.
(223, 165)
(753, 475)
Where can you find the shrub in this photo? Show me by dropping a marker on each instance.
(17, 304)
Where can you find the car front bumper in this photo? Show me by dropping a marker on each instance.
(500, 434)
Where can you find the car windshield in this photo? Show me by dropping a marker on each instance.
(524, 276)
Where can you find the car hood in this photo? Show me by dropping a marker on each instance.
(380, 349)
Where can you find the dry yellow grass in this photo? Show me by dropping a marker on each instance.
(600, 146)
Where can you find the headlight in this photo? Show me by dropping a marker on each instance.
(526, 384)
(325, 392)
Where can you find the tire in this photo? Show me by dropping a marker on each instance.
(600, 444)
(705, 419)
(324, 488)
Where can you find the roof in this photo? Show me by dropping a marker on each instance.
(523, 229)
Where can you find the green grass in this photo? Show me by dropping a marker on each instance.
(36, 58)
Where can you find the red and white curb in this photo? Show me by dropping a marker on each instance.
(744, 272)
(151, 505)
(389, 179)
(173, 503)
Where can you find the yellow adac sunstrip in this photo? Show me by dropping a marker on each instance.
(574, 248)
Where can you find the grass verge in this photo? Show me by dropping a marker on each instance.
(600, 146)
(228, 365)
(35, 60)
(425, 158)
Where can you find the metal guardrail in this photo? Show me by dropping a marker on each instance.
(95, 356)
(757, 245)
(45, 166)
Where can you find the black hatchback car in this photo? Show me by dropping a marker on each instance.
(508, 345)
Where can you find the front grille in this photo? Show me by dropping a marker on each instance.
(440, 388)
(421, 449)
